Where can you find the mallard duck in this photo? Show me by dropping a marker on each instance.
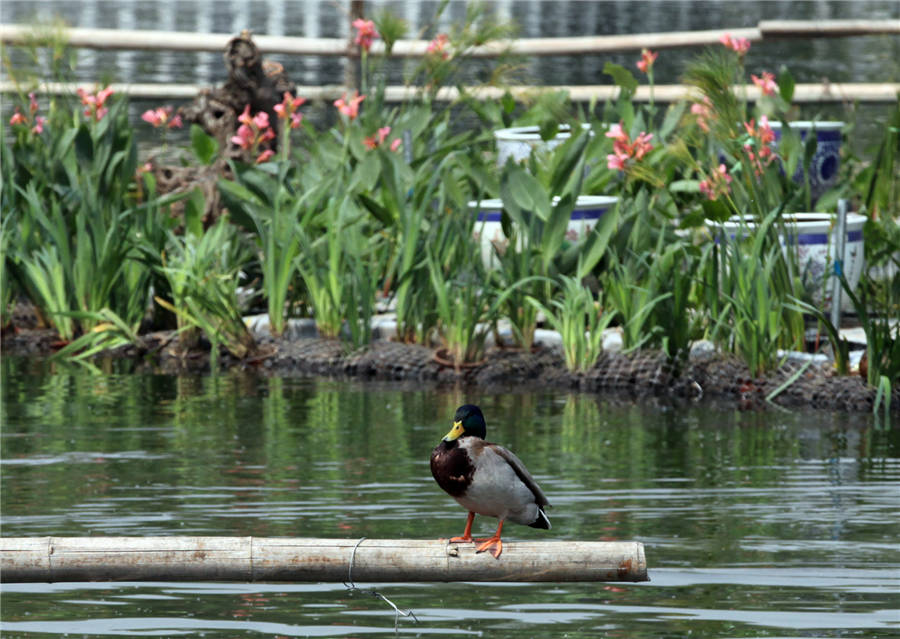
(486, 479)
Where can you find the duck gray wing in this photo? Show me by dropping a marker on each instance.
(521, 472)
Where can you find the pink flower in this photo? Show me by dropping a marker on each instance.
(287, 109)
(716, 184)
(365, 33)
(647, 60)
(33, 105)
(253, 132)
(438, 45)
(152, 117)
(616, 162)
(103, 94)
(642, 145)
(39, 123)
(703, 111)
(162, 116)
(766, 83)
(244, 137)
(94, 103)
(244, 117)
(261, 120)
(378, 139)
(18, 118)
(350, 107)
(396, 144)
(624, 149)
(739, 45)
(616, 132)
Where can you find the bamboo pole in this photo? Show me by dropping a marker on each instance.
(55, 559)
(826, 28)
(14, 34)
(883, 92)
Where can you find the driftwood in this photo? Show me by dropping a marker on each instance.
(251, 81)
(52, 559)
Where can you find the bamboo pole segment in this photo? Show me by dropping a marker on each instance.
(826, 28)
(55, 559)
(876, 92)
(14, 34)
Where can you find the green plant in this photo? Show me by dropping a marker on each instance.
(335, 266)
(580, 320)
(535, 224)
(751, 305)
(264, 202)
(465, 313)
(202, 273)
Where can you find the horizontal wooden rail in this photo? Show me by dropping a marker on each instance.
(882, 92)
(90, 38)
(52, 559)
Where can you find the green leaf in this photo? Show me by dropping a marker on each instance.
(621, 76)
(84, 145)
(785, 84)
(205, 147)
(193, 213)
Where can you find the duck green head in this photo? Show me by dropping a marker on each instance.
(468, 422)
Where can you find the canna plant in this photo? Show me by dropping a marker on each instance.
(69, 183)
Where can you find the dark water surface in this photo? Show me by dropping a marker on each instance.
(779, 524)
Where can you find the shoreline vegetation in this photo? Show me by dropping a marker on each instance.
(110, 254)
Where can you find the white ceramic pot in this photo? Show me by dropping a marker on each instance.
(518, 142)
(489, 231)
(812, 234)
(826, 161)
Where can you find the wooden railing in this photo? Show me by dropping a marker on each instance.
(116, 39)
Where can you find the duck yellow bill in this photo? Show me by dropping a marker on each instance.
(455, 432)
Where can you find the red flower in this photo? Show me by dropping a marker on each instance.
(349, 107)
(716, 184)
(378, 139)
(647, 60)
(438, 45)
(624, 149)
(740, 45)
(18, 118)
(766, 83)
(254, 131)
(287, 109)
(95, 103)
(162, 116)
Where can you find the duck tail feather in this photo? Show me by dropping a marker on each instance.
(542, 520)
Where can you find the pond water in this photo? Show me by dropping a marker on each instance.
(776, 524)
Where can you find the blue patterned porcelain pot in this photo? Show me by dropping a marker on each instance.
(812, 236)
(489, 231)
(827, 159)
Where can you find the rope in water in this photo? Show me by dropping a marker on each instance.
(352, 587)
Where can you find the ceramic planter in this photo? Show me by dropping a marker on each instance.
(489, 232)
(825, 163)
(518, 142)
(812, 234)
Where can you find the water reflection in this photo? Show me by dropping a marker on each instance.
(761, 523)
